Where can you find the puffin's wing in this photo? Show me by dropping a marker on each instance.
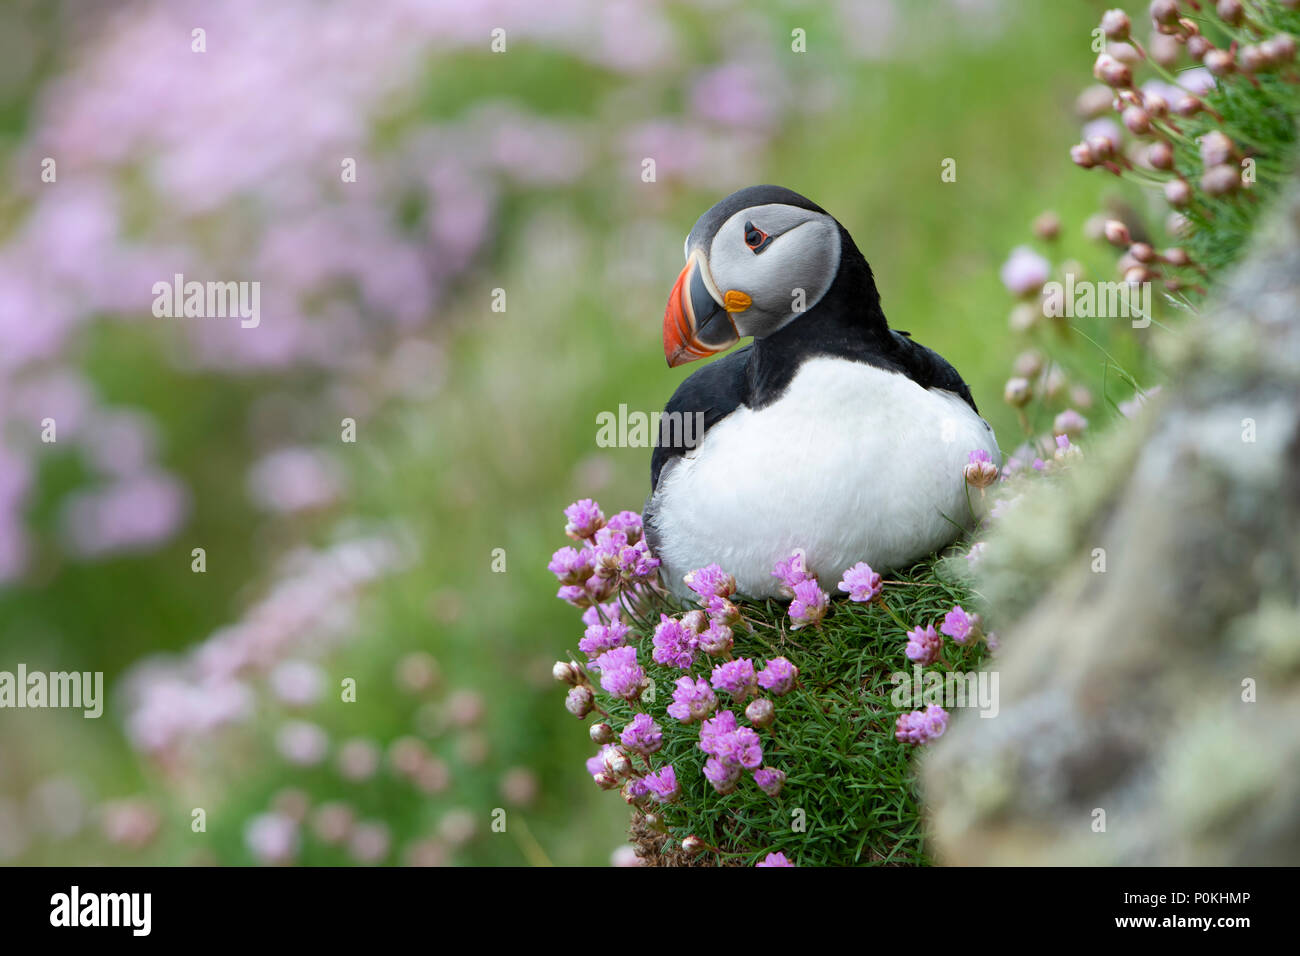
(715, 391)
(928, 368)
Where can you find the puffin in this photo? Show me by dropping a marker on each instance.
(830, 434)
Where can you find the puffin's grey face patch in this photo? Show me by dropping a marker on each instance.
(792, 265)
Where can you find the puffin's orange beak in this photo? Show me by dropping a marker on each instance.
(695, 324)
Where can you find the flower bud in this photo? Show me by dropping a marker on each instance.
(580, 701)
(1217, 149)
(1081, 155)
(1178, 193)
(567, 673)
(1176, 256)
(1028, 363)
(1253, 59)
(1280, 49)
(1219, 62)
(602, 733)
(1117, 233)
(1112, 72)
(1188, 106)
(726, 613)
(1047, 226)
(606, 781)
(1221, 180)
(634, 793)
(980, 474)
(1164, 12)
(655, 822)
(1101, 147)
(1155, 105)
(695, 621)
(693, 846)
(1126, 53)
(616, 762)
(1116, 24)
(1137, 120)
(1230, 12)
(760, 712)
(1198, 46)
(1018, 392)
(1137, 275)
(1142, 252)
(1160, 155)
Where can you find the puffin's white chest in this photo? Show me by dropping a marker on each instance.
(852, 463)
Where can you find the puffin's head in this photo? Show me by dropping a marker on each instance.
(754, 262)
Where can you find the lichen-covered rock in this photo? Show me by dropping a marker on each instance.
(1150, 619)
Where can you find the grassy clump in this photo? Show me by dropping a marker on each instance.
(850, 793)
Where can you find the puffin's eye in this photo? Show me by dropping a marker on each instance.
(756, 238)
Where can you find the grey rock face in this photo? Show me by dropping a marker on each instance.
(1150, 713)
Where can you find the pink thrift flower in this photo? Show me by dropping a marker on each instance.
(723, 776)
(642, 735)
(692, 700)
(710, 582)
(584, 519)
(778, 677)
(861, 583)
(980, 472)
(575, 594)
(960, 626)
(809, 604)
(924, 645)
(774, 859)
(791, 571)
(921, 726)
(600, 638)
(674, 643)
(740, 748)
(717, 639)
(570, 565)
(663, 785)
(736, 677)
(1024, 272)
(620, 674)
(601, 614)
(722, 611)
(628, 523)
(712, 730)
(769, 781)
